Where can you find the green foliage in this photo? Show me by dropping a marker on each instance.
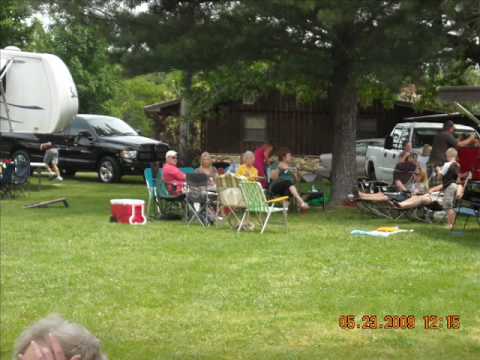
(86, 54)
(133, 94)
(13, 28)
(455, 73)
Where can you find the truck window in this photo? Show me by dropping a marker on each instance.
(400, 136)
(77, 126)
(424, 136)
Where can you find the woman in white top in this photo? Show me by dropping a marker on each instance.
(424, 156)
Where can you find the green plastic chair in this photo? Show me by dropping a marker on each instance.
(258, 205)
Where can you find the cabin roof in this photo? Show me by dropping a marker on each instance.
(460, 93)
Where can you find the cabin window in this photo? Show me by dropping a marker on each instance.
(255, 129)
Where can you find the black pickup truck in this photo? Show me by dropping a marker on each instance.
(98, 143)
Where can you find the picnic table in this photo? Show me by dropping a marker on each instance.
(37, 169)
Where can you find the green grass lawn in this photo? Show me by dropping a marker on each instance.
(168, 291)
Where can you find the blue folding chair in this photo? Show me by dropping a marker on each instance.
(468, 211)
(152, 193)
(187, 170)
(6, 181)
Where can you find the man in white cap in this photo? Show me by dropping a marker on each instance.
(173, 177)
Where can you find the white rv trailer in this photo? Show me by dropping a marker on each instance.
(37, 93)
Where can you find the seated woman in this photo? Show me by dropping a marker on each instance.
(207, 169)
(284, 178)
(174, 178)
(248, 169)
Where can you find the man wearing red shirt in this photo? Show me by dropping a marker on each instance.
(173, 177)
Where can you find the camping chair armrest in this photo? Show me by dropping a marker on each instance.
(277, 200)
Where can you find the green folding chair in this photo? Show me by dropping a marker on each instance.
(258, 205)
(171, 206)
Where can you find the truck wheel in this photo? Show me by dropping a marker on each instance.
(21, 156)
(371, 172)
(108, 170)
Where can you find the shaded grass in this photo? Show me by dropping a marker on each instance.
(166, 290)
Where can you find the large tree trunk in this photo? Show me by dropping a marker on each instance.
(343, 98)
(185, 140)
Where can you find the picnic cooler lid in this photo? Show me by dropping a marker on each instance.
(127, 202)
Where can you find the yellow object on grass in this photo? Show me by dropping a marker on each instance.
(388, 229)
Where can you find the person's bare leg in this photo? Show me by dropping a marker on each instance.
(451, 218)
(460, 191)
(415, 201)
(51, 170)
(56, 170)
(375, 197)
(296, 195)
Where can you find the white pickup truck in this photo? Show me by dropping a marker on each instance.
(380, 161)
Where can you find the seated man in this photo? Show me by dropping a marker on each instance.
(174, 178)
(403, 173)
(408, 179)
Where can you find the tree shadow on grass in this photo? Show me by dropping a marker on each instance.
(92, 178)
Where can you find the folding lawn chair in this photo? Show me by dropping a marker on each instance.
(6, 181)
(469, 206)
(258, 205)
(197, 199)
(152, 203)
(21, 173)
(230, 203)
(170, 205)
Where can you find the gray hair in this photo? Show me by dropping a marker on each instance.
(74, 338)
(248, 154)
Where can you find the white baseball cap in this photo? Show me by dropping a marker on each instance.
(170, 153)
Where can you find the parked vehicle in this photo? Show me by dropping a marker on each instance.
(360, 151)
(381, 160)
(98, 143)
(39, 104)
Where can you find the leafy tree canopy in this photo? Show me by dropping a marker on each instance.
(13, 27)
(86, 55)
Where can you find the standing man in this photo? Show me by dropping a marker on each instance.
(441, 143)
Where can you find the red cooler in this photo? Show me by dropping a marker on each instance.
(128, 211)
